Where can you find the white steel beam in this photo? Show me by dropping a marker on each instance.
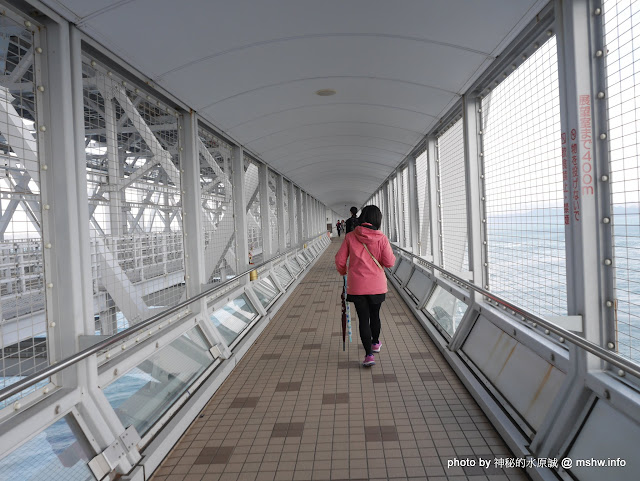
(116, 218)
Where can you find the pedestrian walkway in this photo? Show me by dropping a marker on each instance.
(299, 408)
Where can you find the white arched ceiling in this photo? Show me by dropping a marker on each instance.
(252, 68)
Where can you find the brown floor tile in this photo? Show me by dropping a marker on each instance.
(313, 413)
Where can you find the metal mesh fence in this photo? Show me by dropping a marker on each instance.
(273, 212)
(453, 198)
(217, 203)
(424, 206)
(23, 315)
(622, 38)
(252, 196)
(133, 180)
(523, 186)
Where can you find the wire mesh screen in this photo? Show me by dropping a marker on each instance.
(133, 181)
(523, 186)
(287, 226)
(406, 206)
(424, 206)
(273, 212)
(23, 315)
(217, 207)
(622, 39)
(453, 198)
(252, 196)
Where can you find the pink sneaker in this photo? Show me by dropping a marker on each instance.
(376, 346)
(369, 361)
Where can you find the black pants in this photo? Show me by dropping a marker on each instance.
(369, 320)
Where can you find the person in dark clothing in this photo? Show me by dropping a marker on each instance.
(352, 222)
(339, 227)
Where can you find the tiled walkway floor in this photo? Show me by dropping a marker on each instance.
(299, 408)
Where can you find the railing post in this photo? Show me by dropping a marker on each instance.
(434, 198)
(265, 210)
(240, 208)
(474, 194)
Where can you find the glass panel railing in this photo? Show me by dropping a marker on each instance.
(284, 276)
(446, 309)
(302, 260)
(55, 453)
(142, 395)
(234, 318)
(266, 291)
(295, 266)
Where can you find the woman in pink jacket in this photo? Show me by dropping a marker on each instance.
(368, 250)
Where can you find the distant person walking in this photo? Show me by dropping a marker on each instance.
(367, 250)
(343, 225)
(339, 227)
(352, 222)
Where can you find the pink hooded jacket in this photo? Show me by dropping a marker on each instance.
(364, 276)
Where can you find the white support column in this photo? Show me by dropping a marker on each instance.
(474, 184)
(586, 207)
(265, 211)
(282, 235)
(240, 209)
(398, 205)
(414, 218)
(584, 225)
(195, 275)
(299, 227)
(386, 213)
(293, 229)
(434, 197)
(69, 300)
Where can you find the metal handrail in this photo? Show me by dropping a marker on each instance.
(29, 381)
(610, 357)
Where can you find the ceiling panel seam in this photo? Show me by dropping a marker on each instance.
(363, 104)
(333, 123)
(304, 79)
(321, 35)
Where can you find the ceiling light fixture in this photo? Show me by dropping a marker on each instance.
(325, 92)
